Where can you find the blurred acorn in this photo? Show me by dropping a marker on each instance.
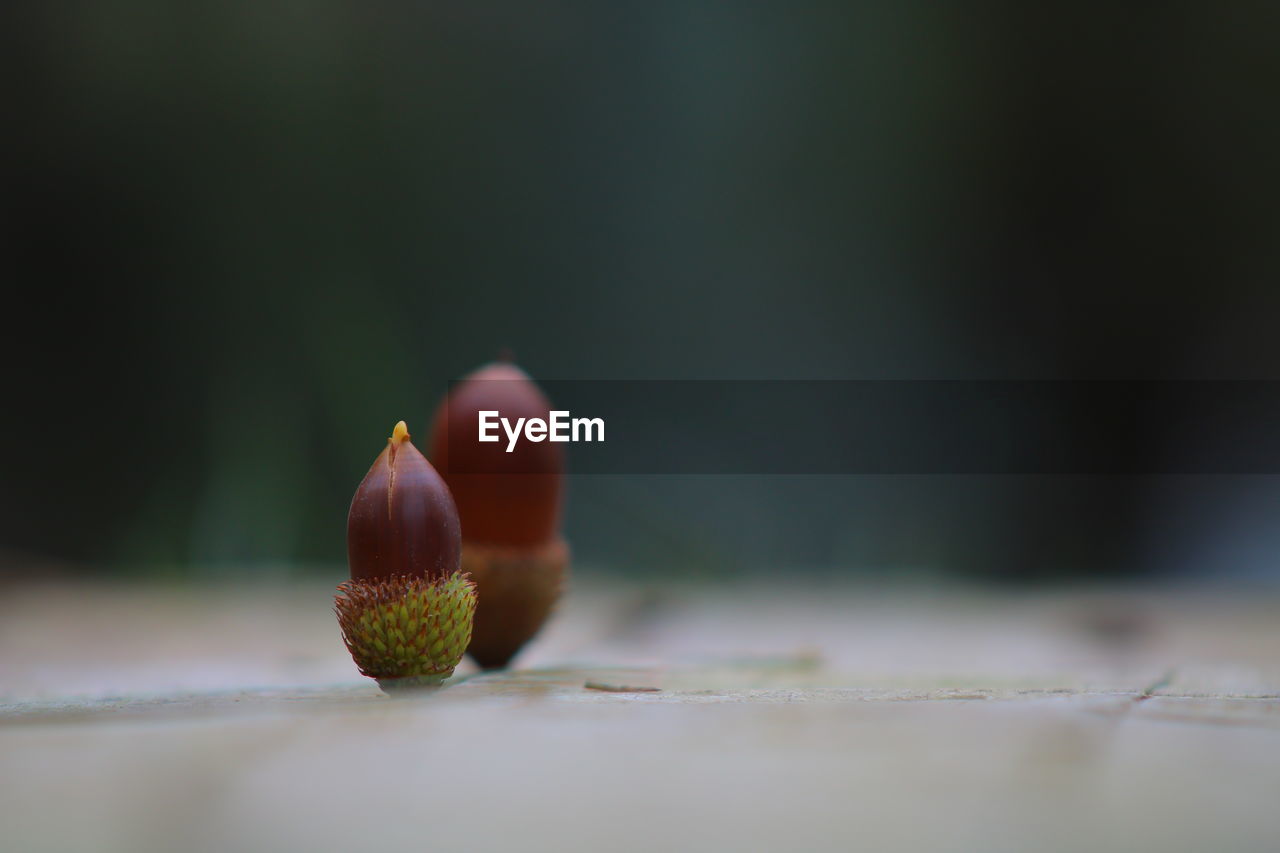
(406, 614)
(509, 505)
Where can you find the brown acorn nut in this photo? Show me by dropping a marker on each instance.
(505, 499)
(509, 506)
(406, 613)
(402, 521)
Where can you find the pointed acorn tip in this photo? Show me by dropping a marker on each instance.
(400, 434)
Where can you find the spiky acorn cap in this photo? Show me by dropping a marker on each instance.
(406, 631)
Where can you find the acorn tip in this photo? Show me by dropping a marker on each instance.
(401, 433)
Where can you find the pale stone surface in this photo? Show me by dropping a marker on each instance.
(144, 718)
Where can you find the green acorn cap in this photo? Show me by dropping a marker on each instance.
(406, 631)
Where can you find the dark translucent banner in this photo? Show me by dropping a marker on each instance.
(896, 427)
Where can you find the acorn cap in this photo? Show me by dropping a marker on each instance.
(516, 588)
(503, 499)
(402, 521)
(406, 631)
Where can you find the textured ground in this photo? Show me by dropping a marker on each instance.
(149, 718)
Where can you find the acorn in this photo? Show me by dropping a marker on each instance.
(406, 614)
(509, 505)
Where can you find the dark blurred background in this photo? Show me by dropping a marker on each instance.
(246, 237)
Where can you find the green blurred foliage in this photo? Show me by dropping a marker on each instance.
(253, 235)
